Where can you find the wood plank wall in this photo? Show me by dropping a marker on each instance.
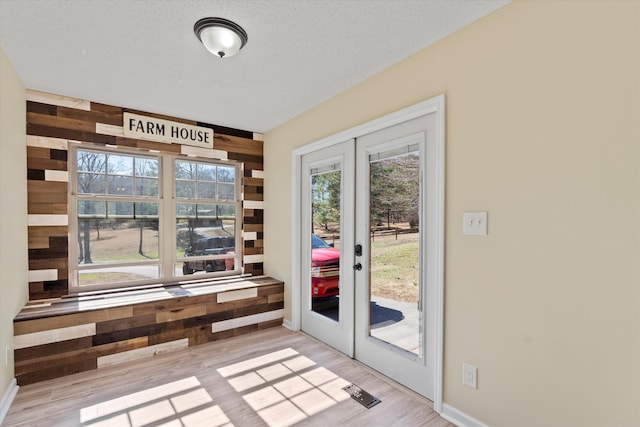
(56, 339)
(53, 121)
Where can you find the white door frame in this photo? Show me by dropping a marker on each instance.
(434, 105)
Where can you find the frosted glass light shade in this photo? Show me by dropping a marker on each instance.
(220, 36)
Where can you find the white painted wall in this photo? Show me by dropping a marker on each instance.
(543, 132)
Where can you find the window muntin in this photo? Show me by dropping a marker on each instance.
(116, 175)
(206, 218)
(121, 225)
(117, 224)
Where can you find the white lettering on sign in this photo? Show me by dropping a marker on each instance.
(152, 129)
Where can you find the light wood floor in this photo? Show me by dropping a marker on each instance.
(273, 377)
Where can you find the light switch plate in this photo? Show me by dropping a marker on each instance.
(474, 223)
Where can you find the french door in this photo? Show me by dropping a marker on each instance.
(371, 248)
(327, 207)
(393, 330)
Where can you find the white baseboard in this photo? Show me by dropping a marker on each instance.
(7, 399)
(287, 324)
(459, 418)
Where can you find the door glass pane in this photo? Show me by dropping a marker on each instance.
(394, 212)
(325, 240)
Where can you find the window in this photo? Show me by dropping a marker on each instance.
(206, 212)
(123, 222)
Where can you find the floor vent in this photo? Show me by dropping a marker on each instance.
(361, 396)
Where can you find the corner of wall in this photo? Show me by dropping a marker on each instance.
(13, 228)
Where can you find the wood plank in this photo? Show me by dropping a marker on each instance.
(236, 295)
(37, 351)
(200, 333)
(107, 129)
(254, 196)
(238, 145)
(271, 290)
(45, 264)
(58, 176)
(168, 305)
(60, 122)
(93, 116)
(47, 231)
(256, 182)
(47, 142)
(38, 163)
(254, 251)
(69, 134)
(273, 308)
(35, 325)
(152, 350)
(38, 107)
(53, 335)
(250, 166)
(38, 152)
(39, 220)
(47, 208)
(59, 100)
(51, 361)
(40, 193)
(48, 253)
(255, 205)
(253, 227)
(181, 313)
(47, 187)
(108, 109)
(247, 158)
(39, 208)
(275, 298)
(231, 306)
(58, 371)
(39, 242)
(105, 327)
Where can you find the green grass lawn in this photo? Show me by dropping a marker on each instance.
(395, 267)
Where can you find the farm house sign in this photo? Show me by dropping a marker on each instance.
(150, 128)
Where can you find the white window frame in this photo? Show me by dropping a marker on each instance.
(167, 257)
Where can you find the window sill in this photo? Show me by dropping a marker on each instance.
(104, 299)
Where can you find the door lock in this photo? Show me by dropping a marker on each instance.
(357, 250)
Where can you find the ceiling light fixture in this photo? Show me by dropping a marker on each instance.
(220, 36)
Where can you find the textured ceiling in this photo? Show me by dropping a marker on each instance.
(143, 54)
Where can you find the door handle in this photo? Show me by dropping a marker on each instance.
(358, 267)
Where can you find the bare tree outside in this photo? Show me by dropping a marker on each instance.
(91, 180)
(325, 191)
(395, 189)
(118, 178)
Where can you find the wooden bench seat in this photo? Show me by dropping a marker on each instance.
(75, 333)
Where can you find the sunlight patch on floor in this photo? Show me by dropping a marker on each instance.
(182, 403)
(281, 387)
(284, 387)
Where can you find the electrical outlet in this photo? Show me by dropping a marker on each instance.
(469, 375)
